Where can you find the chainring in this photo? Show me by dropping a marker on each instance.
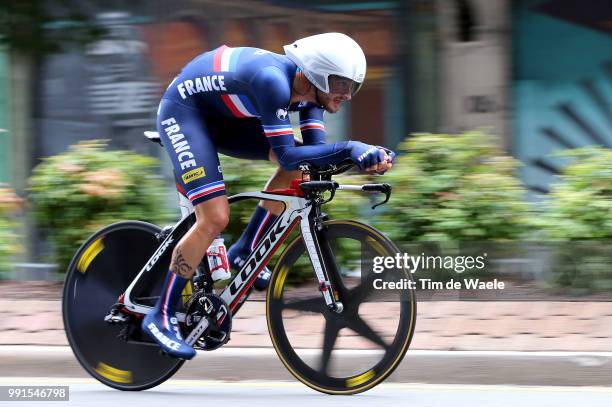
(210, 306)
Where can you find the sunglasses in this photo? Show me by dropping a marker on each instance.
(343, 86)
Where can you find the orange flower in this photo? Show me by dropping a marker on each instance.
(105, 183)
(69, 166)
(106, 177)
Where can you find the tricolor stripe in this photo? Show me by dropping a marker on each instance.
(226, 59)
(311, 124)
(165, 317)
(259, 230)
(205, 190)
(275, 131)
(240, 106)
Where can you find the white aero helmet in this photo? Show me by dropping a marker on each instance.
(331, 54)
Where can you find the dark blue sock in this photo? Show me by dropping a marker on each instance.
(260, 223)
(169, 297)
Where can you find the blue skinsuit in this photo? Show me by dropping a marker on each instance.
(236, 101)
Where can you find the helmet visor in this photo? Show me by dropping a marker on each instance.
(343, 86)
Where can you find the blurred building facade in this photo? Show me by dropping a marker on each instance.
(536, 72)
(473, 66)
(561, 82)
(111, 89)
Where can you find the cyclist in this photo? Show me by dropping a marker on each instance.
(236, 101)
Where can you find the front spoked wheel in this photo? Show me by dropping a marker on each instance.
(354, 350)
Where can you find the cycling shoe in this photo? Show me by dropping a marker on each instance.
(167, 335)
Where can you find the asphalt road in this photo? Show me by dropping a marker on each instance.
(432, 367)
(268, 393)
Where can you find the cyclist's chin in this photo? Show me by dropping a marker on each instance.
(332, 107)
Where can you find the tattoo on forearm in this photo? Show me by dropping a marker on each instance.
(180, 266)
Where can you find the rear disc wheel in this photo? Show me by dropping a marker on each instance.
(101, 270)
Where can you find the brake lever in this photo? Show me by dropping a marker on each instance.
(384, 188)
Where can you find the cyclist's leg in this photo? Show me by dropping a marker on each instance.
(245, 139)
(280, 179)
(196, 164)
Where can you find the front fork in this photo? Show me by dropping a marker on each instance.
(322, 259)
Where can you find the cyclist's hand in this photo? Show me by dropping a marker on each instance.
(371, 158)
(386, 165)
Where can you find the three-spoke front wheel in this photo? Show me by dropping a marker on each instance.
(354, 350)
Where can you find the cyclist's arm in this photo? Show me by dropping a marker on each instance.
(312, 126)
(273, 93)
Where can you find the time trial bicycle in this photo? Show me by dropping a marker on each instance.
(116, 276)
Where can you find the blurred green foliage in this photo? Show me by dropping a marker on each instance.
(78, 192)
(580, 206)
(579, 209)
(446, 188)
(455, 187)
(10, 205)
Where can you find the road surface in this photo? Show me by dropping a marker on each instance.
(271, 393)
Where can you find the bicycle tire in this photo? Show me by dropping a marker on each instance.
(275, 305)
(100, 271)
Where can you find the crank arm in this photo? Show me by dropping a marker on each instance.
(197, 331)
